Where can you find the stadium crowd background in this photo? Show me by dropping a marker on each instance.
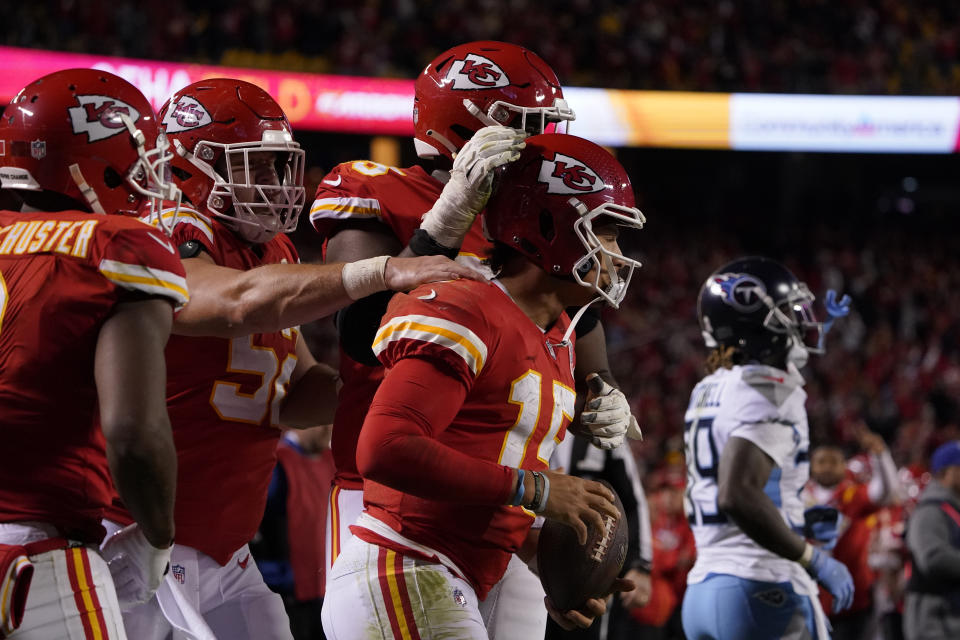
(882, 228)
(812, 46)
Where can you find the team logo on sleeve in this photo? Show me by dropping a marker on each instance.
(568, 176)
(741, 291)
(476, 72)
(185, 115)
(99, 116)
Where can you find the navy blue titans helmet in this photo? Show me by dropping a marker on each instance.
(758, 307)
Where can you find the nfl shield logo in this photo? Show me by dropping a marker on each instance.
(38, 149)
(179, 573)
(459, 598)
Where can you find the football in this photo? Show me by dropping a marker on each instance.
(570, 572)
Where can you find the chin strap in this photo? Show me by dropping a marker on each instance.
(85, 189)
(575, 319)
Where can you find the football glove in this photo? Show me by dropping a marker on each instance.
(822, 523)
(471, 180)
(136, 565)
(607, 415)
(834, 576)
(835, 309)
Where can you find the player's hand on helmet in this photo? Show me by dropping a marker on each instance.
(833, 575)
(471, 179)
(593, 608)
(607, 415)
(578, 503)
(403, 274)
(136, 565)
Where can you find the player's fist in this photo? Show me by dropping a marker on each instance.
(471, 178)
(136, 565)
(607, 415)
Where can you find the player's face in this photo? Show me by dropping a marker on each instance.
(261, 169)
(577, 294)
(828, 466)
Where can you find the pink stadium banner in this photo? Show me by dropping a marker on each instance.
(316, 102)
(617, 118)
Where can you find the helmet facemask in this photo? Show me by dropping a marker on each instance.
(598, 258)
(794, 316)
(259, 210)
(533, 120)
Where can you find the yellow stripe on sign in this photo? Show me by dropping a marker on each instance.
(409, 325)
(156, 282)
(85, 593)
(395, 595)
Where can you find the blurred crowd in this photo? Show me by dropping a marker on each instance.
(811, 46)
(894, 364)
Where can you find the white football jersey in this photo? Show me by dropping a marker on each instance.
(764, 405)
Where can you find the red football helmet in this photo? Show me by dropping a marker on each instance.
(215, 126)
(87, 135)
(479, 84)
(547, 203)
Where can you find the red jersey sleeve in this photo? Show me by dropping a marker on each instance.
(439, 327)
(854, 501)
(399, 445)
(141, 258)
(346, 194)
(190, 225)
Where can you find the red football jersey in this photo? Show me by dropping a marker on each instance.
(398, 198)
(60, 276)
(519, 402)
(224, 398)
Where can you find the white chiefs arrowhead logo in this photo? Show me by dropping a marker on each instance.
(185, 115)
(476, 72)
(568, 176)
(99, 116)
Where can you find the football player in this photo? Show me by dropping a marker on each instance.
(237, 366)
(473, 106)
(86, 305)
(747, 451)
(478, 391)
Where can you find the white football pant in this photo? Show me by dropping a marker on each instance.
(71, 596)
(374, 593)
(233, 601)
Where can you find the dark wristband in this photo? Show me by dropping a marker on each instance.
(422, 244)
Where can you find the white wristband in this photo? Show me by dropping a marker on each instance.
(806, 556)
(364, 277)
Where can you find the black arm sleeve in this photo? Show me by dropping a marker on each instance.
(589, 319)
(357, 326)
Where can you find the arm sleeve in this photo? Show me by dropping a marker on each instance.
(928, 538)
(343, 194)
(640, 543)
(588, 321)
(143, 261)
(191, 226)
(773, 438)
(398, 444)
(884, 486)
